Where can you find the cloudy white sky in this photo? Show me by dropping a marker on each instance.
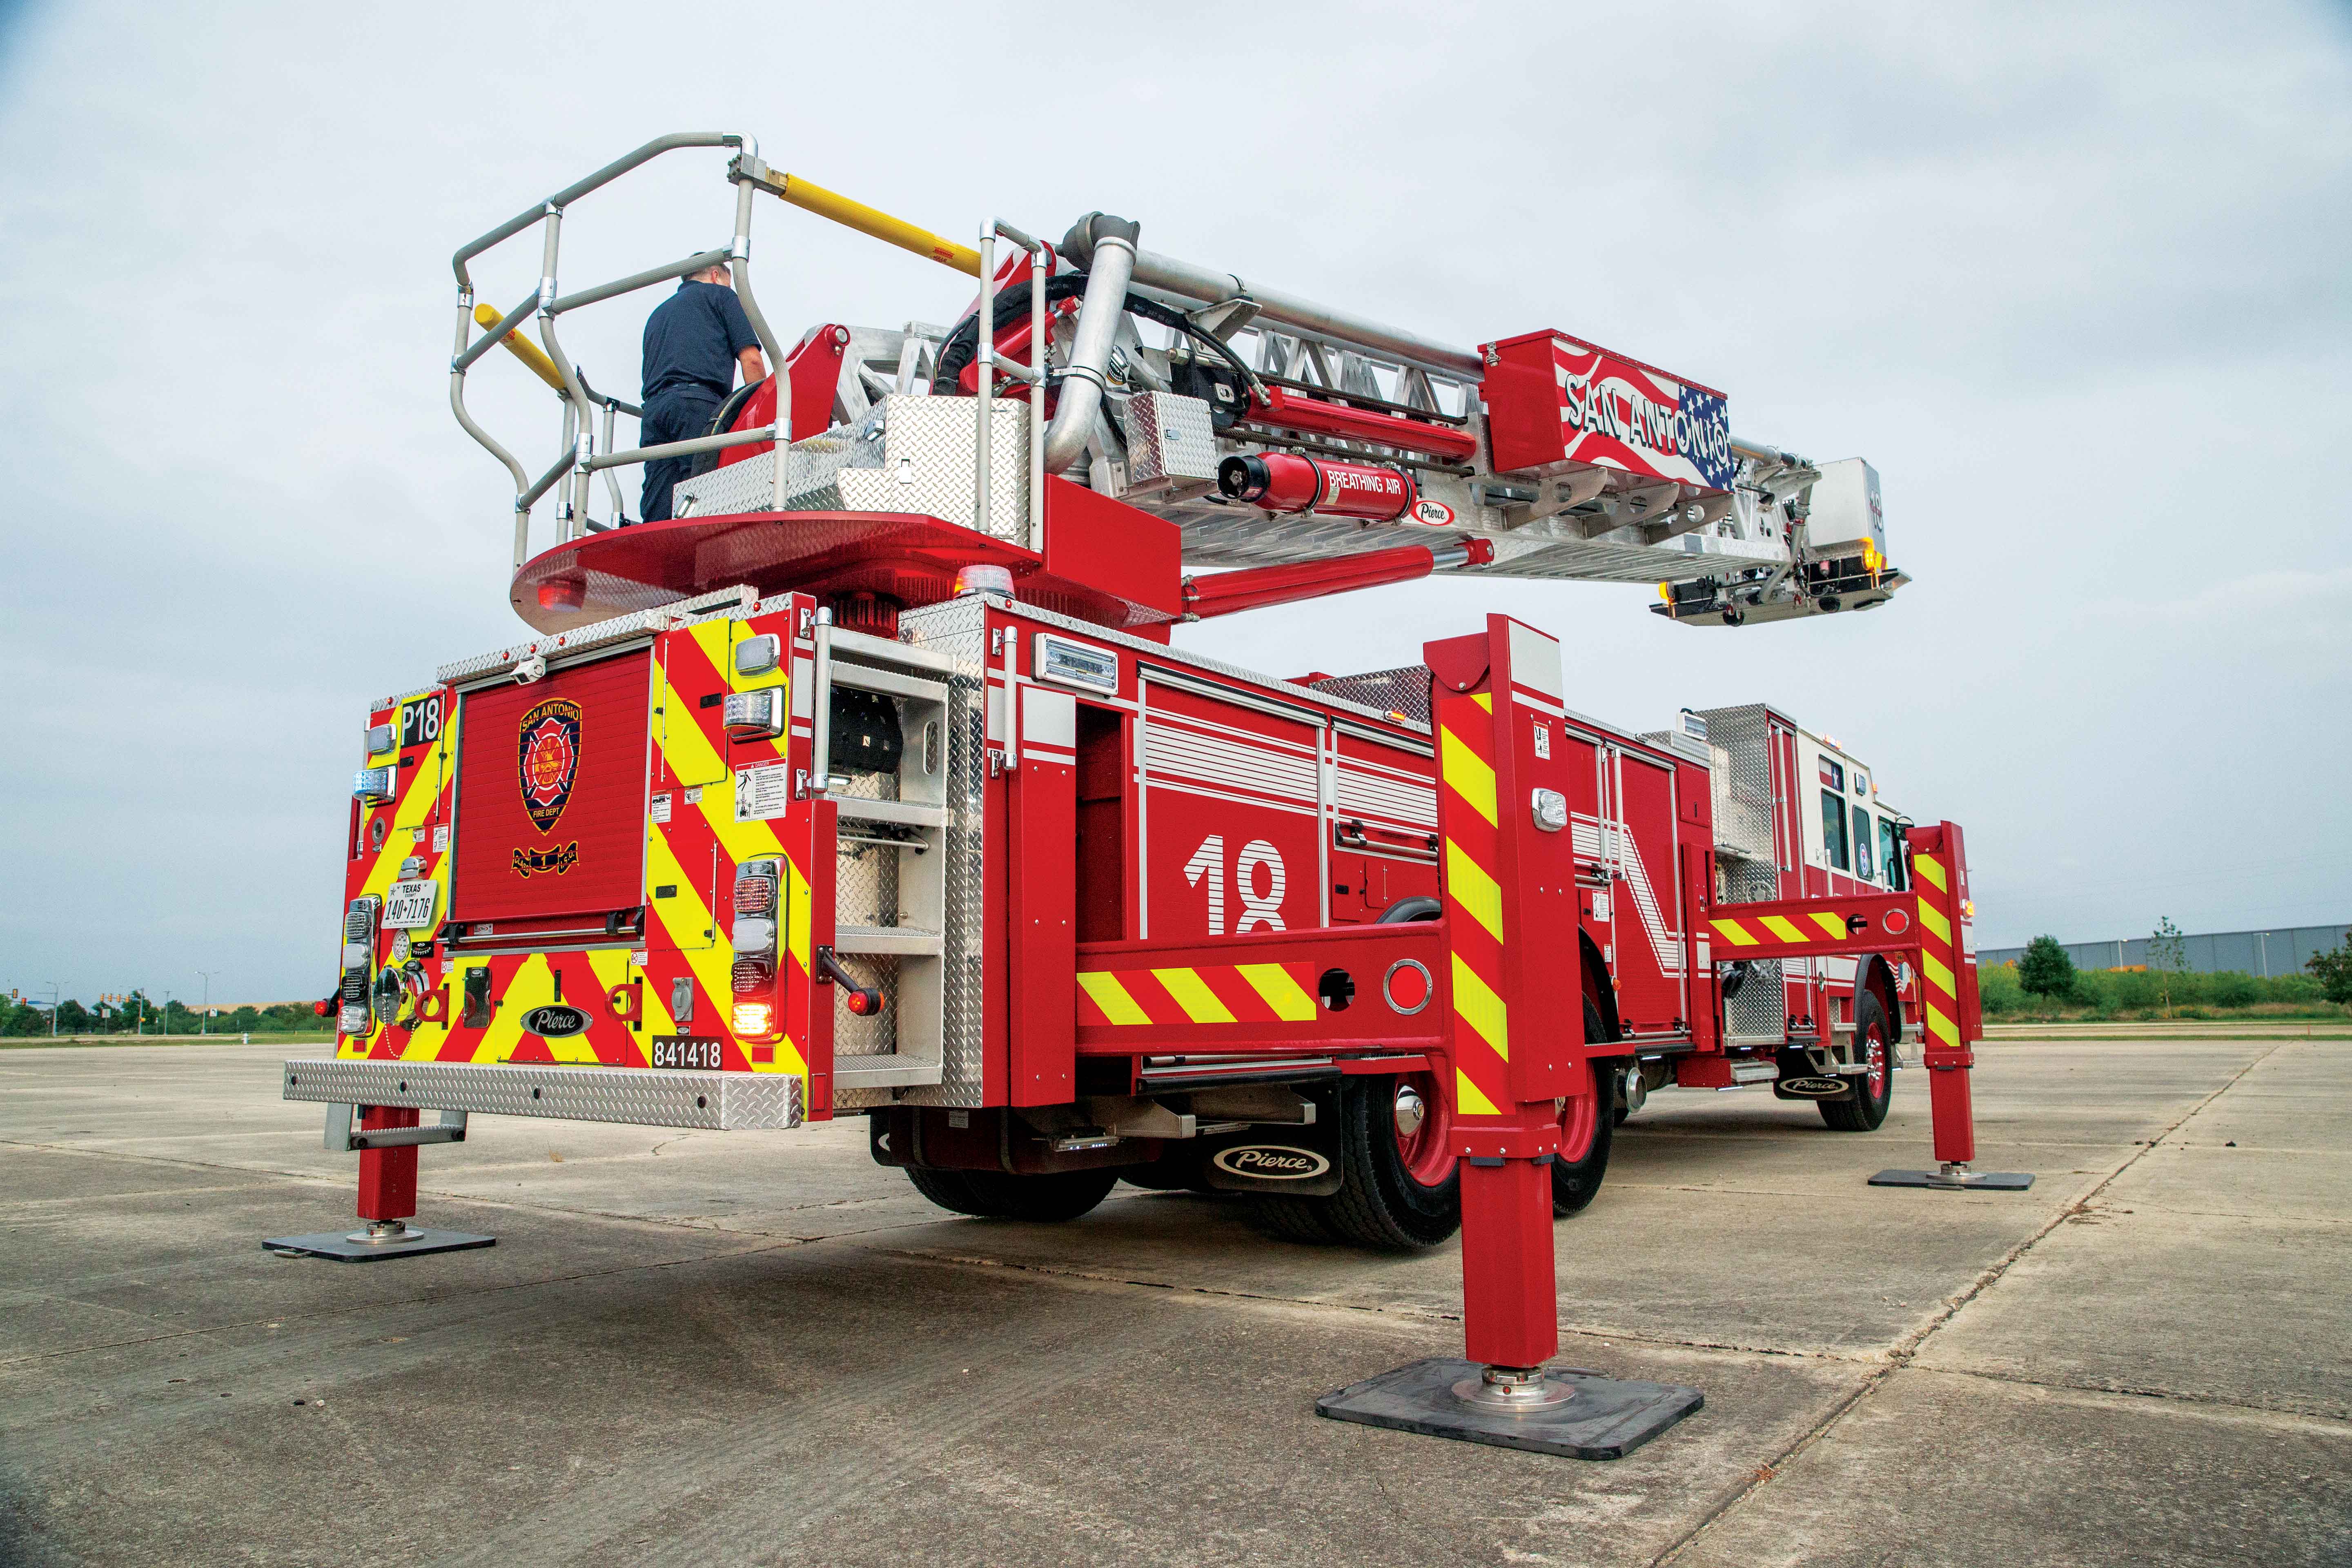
(2073, 279)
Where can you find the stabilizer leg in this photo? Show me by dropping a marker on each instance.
(1516, 1048)
(1948, 989)
(387, 1193)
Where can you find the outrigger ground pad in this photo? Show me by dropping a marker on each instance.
(1956, 1181)
(368, 1245)
(1576, 1414)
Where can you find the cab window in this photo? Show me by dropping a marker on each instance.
(1862, 864)
(1890, 853)
(1833, 828)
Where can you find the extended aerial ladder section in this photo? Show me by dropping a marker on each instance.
(869, 784)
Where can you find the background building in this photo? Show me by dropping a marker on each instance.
(2279, 951)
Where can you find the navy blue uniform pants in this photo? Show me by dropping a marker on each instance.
(673, 413)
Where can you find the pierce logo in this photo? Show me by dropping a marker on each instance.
(554, 1022)
(550, 759)
(1814, 1087)
(1271, 1162)
(1436, 513)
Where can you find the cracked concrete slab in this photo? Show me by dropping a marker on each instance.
(764, 1348)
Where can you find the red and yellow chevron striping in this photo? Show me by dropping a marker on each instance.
(1777, 928)
(1941, 992)
(1227, 993)
(1476, 928)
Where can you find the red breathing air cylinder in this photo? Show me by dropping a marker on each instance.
(1280, 481)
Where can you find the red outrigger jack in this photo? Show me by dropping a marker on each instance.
(870, 784)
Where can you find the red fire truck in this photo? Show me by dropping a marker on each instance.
(872, 784)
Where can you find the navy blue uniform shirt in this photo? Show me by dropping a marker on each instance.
(692, 339)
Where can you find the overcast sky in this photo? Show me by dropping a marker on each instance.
(2073, 279)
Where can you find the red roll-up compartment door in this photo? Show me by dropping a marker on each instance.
(551, 809)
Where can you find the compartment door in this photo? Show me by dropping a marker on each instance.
(1230, 815)
(552, 795)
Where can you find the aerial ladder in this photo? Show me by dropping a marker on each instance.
(900, 647)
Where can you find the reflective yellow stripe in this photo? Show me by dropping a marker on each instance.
(1467, 1101)
(1783, 930)
(1475, 1004)
(1933, 919)
(1280, 992)
(1833, 924)
(1938, 974)
(1941, 1027)
(1484, 700)
(1111, 996)
(1468, 884)
(1925, 866)
(1466, 774)
(1734, 932)
(1200, 1002)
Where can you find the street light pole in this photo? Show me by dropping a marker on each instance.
(205, 1026)
(53, 1007)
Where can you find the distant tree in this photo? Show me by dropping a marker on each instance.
(73, 1018)
(2333, 969)
(2045, 970)
(2168, 958)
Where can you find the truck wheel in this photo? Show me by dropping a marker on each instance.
(1863, 1106)
(1399, 1190)
(992, 1195)
(1587, 1128)
(1288, 1218)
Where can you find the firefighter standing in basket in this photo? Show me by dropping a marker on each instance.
(694, 342)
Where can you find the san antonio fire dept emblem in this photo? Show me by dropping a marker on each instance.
(551, 759)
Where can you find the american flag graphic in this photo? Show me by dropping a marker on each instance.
(1618, 413)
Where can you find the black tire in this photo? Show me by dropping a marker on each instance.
(1575, 1183)
(1381, 1204)
(1302, 1220)
(949, 1190)
(992, 1195)
(1863, 1106)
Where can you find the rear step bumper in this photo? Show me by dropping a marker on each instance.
(645, 1097)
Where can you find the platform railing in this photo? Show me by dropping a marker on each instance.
(1041, 260)
(588, 443)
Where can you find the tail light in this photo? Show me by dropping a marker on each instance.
(359, 963)
(755, 895)
(754, 939)
(755, 715)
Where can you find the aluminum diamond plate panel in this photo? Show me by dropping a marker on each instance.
(707, 1102)
(909, 454)
(1170, 440)
(1404, 690)
(1743, 790)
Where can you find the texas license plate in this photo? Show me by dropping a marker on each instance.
(702, 1053)
(408, 906)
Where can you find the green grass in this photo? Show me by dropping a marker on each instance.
(260, 1037)
(2118, 995)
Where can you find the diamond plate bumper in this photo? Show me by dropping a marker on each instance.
(647, 1097)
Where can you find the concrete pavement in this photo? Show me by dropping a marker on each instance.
(754, 1348)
